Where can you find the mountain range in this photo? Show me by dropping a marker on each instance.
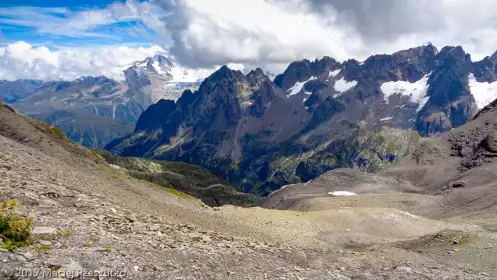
(427, 213)
(316, 116)
(429, 216)
(95, 110)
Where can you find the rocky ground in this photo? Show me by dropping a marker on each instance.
(89, 222)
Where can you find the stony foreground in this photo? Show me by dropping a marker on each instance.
(88, 223)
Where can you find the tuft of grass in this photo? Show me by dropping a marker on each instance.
(107, 249)
(42, 248)
(63, 233)
(92, 241)
(178, 193)
(53, 129)
(450, 237)
(14, 229)
(96, 156)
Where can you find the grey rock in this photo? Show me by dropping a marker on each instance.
(71, 268)
(43, 232)
(405, 269)
(29, 255)
(20, 258)
(56, 263)
(45, 243)
(154, 227)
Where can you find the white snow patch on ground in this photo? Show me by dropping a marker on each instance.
(422, 103)
(247, 103)
(308, 92)
(157, 68)
(386, 119)
(142, 64)
(297, 87)
(484, 93)
(343, 86)
(342, 193)
(334, 73)
(416, 91)
(304, 100)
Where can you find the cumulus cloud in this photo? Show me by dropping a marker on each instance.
(22, 60)
(276, 32)
(257, 33)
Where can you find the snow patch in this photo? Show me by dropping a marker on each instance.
(297, 87)
(386, 119)
(484, 93)
(157, 68)
(142, 64)
(416, 91)
(342, 193)
(247, 103)
(334, 73)
(422, 103)
(343, 86)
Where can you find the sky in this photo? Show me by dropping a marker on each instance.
(66, 39)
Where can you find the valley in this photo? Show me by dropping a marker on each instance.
(261, 134)
(248, 140)
(91, 216)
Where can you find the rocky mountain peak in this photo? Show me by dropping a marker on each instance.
(223, 76)
(486, 69)
(421, 51)
(299, 73)
(454, 55)
(257, 76)
(450, 103)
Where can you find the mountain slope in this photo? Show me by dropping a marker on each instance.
(190, 179)
(88, 130)
(90, 217)
(13, 91)
(314, 117)
(111, 106)
(457, 170)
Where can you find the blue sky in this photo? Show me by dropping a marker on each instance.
(56, 23)
(56, 3)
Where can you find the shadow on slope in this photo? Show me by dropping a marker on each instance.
(187, 178)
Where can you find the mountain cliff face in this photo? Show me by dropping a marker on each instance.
(13, 91)
(314, 117)
(116, 105)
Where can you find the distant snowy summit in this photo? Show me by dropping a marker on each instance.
(168, 71)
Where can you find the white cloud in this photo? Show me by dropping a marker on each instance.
(276, 32)
(22, 60)
(257, 32)
(260, 33)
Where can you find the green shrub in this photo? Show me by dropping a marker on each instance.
(14, 230)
